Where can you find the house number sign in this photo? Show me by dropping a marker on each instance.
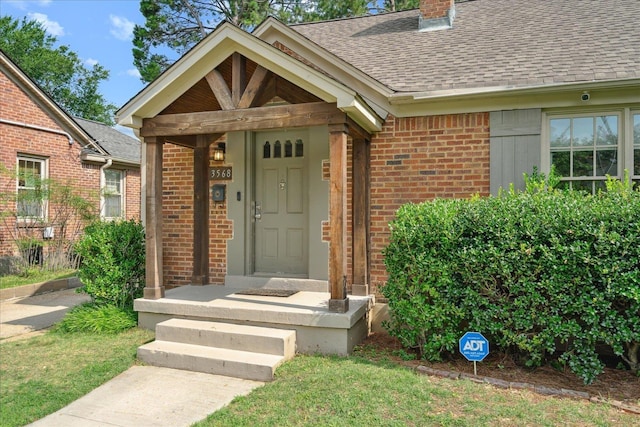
(221, 173)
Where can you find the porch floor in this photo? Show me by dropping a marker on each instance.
(317, 329)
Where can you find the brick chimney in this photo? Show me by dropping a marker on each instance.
(436, 14)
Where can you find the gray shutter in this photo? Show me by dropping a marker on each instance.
(515, 146)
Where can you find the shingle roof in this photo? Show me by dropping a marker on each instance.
(515, 43)
(116, 143)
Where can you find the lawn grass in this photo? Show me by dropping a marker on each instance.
(333, 391)
(34, 275)
(41, 375)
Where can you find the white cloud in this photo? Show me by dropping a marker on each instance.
(91, 62)
(122, 28)
(133, 72)
(52, 27)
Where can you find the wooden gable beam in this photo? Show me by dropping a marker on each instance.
(238, 77)
(271, 117)
(220, 89)
(257, 85)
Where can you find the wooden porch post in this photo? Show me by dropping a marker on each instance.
(338, 218)
(154, 287)
(201, 211)
(360, 217)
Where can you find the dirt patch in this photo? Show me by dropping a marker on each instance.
(611, 385)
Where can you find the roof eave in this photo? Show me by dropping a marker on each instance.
(65, 120)
(272, 30)
(214, 49)
(404, 104)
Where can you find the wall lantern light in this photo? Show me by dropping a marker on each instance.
(218, 152)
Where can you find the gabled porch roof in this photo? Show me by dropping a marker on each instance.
(217, 47)
(233, 81)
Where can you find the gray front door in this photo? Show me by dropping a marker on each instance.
(281, 204)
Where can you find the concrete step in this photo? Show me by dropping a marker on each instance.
(211, 360)
(228, 335)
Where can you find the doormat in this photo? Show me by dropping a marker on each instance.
(268, 292)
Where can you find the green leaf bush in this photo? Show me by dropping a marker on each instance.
(97, 319)
(112, 267)
(542, 273)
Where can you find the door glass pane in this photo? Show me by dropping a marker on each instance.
(583, 131)
(299, 148)
(607, 130)
(583, 163)
(560, 160)
(277, 150)
(606, 163)
(560, 132)
(288, 149)
(266, 150)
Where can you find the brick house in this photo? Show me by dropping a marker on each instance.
(285, 153)
(39, 140)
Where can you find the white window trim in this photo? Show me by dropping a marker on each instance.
(625, 135)
(45, 175)
(123, 193)
(630, 147)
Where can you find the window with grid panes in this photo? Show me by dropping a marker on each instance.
(113, 193)
(31, 201)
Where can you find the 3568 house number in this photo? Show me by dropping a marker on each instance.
(221, 173)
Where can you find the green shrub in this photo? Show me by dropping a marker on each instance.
(94, 318)
(112, 269)
(541, 273)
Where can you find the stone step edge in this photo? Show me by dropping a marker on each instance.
(282, 341)
(224, 358)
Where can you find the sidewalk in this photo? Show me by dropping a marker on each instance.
(19, 316)
(140, 396)
(151, 396)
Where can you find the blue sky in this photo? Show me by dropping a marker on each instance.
(99, 31)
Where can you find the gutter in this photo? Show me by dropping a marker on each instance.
(35, 127)
(404, 97)
(103, 182)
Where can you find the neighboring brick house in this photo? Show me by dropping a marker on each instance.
(38, 140)
(329, 127)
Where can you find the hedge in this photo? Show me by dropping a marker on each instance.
(544, 274)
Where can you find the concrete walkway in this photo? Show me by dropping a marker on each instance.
(140, 396)
(151, 396)
(21, 316)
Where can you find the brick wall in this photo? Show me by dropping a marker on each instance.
(132, 196)
(412, 160)
(63, 159)
(63, 162)
(421, 158)
(177, 202)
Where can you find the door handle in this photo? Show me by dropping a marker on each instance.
(258, 212)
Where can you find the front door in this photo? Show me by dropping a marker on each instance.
(281, 204)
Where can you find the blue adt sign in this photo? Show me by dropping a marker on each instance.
(474, 346)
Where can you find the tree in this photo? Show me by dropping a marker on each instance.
(174, 26)
(57, 70)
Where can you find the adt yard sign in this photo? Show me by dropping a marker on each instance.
(474, 346)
